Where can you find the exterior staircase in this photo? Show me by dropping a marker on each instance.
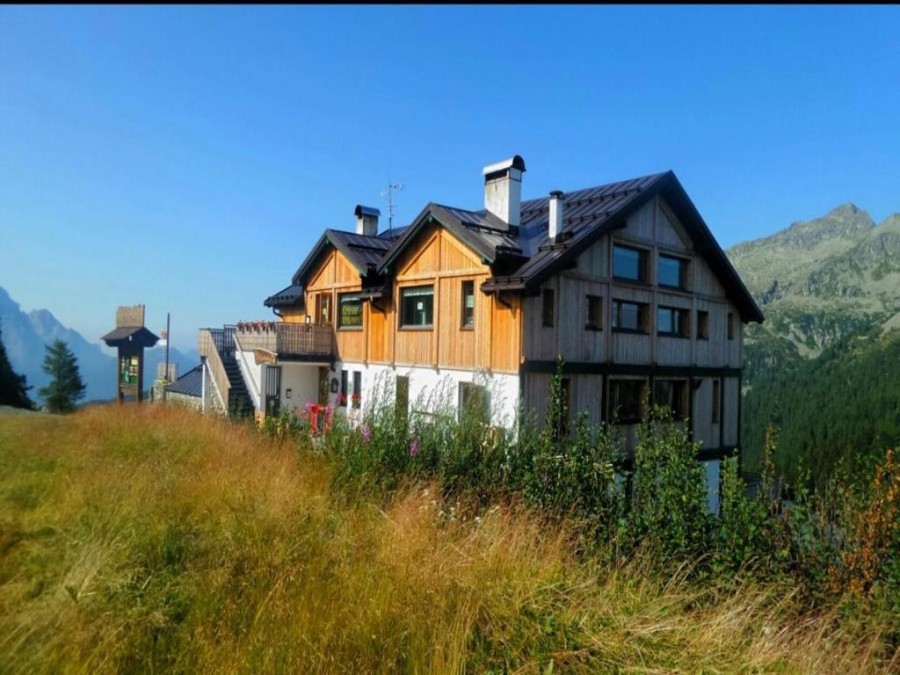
(239, 403)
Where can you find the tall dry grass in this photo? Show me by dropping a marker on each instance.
(153, 539)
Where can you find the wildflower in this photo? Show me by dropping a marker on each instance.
(366, 434)
(414, 448)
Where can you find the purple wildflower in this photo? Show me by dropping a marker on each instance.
(366, 434)
(414, 448)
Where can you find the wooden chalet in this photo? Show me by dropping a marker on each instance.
(624, 282)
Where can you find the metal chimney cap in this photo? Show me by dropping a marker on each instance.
(361, 210)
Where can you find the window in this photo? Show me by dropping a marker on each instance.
(672, 321)
(629, 263)
(323, 309)
(402, 398)
(671, 271)
(626, 400)
(547, 312)
(730, 326)
(474, 403)
(417, 306)
(594, 313)
(351, 314)
(673, 394)
(342, 401)
(468, 304)
(702, 325)
(357, 389)
(716, 402)
(629, 316)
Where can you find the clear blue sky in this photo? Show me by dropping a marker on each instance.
(189, 157)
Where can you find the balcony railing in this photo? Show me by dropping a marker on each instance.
(288, 340)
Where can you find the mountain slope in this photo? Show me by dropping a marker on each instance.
(822, 367)
(26, 335)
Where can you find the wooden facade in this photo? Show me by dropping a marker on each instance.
(437, 260)
(596, 356)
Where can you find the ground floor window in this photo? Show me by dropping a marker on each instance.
(673, 394)
(342, 401)
(626, 400)
(474, 402)
(356, 398)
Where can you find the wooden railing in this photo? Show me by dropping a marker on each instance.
(209, 344)
(287, 339)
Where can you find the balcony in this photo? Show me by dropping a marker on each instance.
(287, 341)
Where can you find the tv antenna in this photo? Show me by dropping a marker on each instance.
(388, 191)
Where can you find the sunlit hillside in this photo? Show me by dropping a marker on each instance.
(136, 539)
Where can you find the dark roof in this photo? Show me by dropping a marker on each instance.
(189, 384)
(286, 297)
(130, 334)
(523, 257)
(362, 251)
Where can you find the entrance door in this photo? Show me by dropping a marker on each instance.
(273, 390)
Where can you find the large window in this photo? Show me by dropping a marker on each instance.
(417, 307)
(629, 316)
(474, 403)
(672, 271)
(629, 263)
(594, 320)
(626, 400)
(350, 308)
(673, 394)
(468, 304)
(547, 308)
(672, 321)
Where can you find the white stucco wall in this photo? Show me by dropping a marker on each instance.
(430, 389)
(303, 381)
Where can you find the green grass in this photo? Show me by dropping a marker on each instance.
(149, 539)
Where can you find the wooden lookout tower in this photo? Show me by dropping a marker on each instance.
(130, 338)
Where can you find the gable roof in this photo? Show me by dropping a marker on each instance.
(286, 297)
(130, 334)
(523, 257)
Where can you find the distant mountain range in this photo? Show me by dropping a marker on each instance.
(824, 367)
(26, 334)
(823, 279)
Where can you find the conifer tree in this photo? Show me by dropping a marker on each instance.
(13, 390)
(66, 386)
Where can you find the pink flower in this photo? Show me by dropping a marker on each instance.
(413, 448)
(366, 434)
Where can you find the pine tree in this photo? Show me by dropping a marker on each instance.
(13, 390)
(66, 387)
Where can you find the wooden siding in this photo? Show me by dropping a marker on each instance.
(656, 230)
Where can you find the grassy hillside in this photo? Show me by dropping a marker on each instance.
(152, 539)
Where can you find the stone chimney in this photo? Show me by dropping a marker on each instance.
(366, 220)
(503, 189)
(556, 214)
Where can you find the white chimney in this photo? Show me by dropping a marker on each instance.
(556, 214)
(503, 189)
(366, 220)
